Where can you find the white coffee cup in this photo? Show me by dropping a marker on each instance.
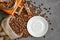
(37, 26)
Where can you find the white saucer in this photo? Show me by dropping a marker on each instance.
(37, 26)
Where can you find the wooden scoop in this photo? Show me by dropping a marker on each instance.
(12, 11)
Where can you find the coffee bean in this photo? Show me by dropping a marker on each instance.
(47, 11)
(42, 4)
(49, 8)
(43, 36)
(50, 13)
(52, 29)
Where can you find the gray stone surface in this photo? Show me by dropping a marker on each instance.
(55, 19)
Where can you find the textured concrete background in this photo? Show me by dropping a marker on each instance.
(55, 19)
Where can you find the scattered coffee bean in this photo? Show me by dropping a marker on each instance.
(45, 8)
(46, 16)
(34, 2)
(49, 8)
(42, 4)
(50, 23)
(47, 11)
(43, 36)
(52, 29)
(50, 13)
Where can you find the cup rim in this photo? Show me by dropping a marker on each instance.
(33, 33)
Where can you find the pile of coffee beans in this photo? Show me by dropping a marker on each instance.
(19, 23)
